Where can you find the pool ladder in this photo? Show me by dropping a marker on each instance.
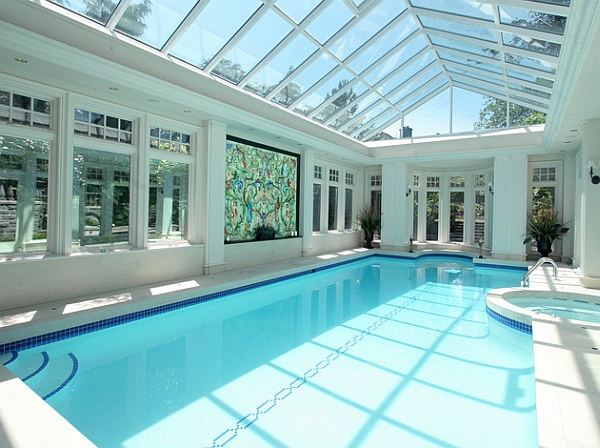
(541, 261)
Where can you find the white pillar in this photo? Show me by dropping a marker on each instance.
(510, 207)
(213, 213)
(306, 201)
(394, 206)
(589, 240)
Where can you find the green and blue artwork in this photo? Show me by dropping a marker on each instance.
(260, 192)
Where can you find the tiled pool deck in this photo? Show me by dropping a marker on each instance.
(567, 359)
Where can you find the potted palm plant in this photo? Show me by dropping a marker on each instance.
(544, 228)
(369, 221)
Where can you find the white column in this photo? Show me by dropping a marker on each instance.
(394, 206)
(306, 201)
(213, 214)
(139, 187)
(60, 182)
(589, 241)
(510, 207)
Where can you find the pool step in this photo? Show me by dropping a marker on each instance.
(46, 376)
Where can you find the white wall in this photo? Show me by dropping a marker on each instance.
(34, 282)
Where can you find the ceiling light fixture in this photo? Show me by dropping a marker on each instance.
(21, 60)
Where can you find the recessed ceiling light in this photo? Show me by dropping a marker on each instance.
(573, 130)
(277, 137)
(250, 129)
(114, 89)
(153, 100)
(568, 143)
(22, 61)
(187, 111)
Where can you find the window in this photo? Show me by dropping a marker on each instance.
(168, 200)
(101, 188)
(348, 210)
(318, 172)
(172, 141)
(333, 208)
(334, 175)
(457, 181)
(349, 179)
(544, 174)
(25, 110)
(23, 194)
(375, 180)
(316, 208)
(433, 181)
(106, 127)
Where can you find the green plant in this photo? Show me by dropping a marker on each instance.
(369, 221)
(543, 227)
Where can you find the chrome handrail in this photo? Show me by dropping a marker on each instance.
(541, 261)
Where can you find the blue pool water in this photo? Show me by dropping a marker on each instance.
(566, 309)
(377, 353)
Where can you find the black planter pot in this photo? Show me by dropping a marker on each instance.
(544, 247)
(368, 240)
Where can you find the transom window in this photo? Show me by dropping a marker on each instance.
(334, 175)
(106, 127)
(318, 172)
(24, 109)
(544, 174)
(376, 180)
(349, 179)
(433, 181)
(457, 181)
(172, 141)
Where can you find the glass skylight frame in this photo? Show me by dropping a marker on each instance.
(505, 46)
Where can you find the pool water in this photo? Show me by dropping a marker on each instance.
(378, 353)
(566, 309)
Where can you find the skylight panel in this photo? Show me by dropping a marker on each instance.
(408, 88)
(347, 97)
(534, 63)
(330, 21)
(297, 10)
(531, 44)
(533, 20)
(540, 80)
(532, 103)
(476, 75)
(97, 11)
(488, 88)
(286, 61)
(422, 94)
(324, 91)
(404, 75)
(529, 90)
(470, 62)
(253, 47)
(304, 80)
(153, 23)
(368, 26)
(380, 70)
(553, 2)
(371, 128)
(376, 110)
(465, 47)
(362, 105)
(478, 32)
(366, 56)
(212, 29)
(465, 8)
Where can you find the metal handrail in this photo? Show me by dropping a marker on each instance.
(541, 261)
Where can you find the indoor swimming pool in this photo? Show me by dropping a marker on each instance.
(382, 351)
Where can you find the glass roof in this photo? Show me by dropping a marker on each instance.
(357, 66)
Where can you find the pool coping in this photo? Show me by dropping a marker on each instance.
(19, 416)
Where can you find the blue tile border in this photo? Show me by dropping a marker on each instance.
(521, 326)
(36, 341)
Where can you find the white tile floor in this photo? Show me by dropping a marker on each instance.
(567, 359)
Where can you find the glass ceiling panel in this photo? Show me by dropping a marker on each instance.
(297, 10)
(97, 11)
(212, 29)
(478, 32)
(397, 59)
(460, 7)
(380, 47)
(153, 24)
(335, 16)
(325, 90)
(295, 55)
(470, 62)
(475, 75)
(532, 20)
(305, 80)
(253, 47)
(531, 78)
(368, 26)
(362, 105)
(529, 90)
(528, 43)
(286, 61)
(483, 86)
(407, 73)
(536, 64)
(465, 47)
(413, 86)
(349, 95)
